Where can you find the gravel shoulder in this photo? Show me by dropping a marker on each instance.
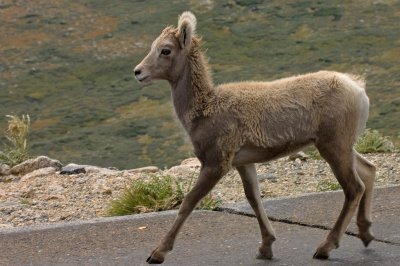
(46, 196)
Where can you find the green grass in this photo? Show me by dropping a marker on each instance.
(155, 194)
(372, 141)
(16, 150)
(313, 153)
(209, 203)
(158, 193)
(26, 202)
(328, 185)
(268, 40)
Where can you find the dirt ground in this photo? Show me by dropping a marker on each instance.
(45, 196)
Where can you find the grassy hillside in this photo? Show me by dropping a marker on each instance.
(69, 65)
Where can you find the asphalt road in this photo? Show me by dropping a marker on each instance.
(211, 238)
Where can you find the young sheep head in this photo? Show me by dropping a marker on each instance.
(168, 54)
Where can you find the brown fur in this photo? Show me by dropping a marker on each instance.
(239, 124)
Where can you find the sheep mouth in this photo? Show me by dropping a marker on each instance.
(143, 79)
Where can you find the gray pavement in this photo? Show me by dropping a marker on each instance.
(321, 210)
(211, 238)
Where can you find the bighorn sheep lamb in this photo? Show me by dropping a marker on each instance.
(240, 124)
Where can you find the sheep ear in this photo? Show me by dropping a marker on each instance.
(186, 29)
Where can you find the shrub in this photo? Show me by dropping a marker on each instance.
(17, 148)
(158, 193)
(155, 194)
(372, 141)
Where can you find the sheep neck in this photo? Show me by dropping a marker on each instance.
(193, 89)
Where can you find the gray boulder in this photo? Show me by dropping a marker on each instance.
(4, 169)
(146, 169)
(35, 164)
(73, 169)
(39, 173)
(299, 155)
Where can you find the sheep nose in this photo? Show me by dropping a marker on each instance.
(137, 72)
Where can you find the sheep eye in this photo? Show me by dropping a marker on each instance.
(165, 51)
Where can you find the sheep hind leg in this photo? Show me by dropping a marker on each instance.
(341, 160)
(366, 170)
(248, 175)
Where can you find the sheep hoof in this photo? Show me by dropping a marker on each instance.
(265, 253)
(264, 256)
(319, 256)
(367, 240)
(151, 260)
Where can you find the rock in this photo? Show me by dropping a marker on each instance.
(41, 217)
(191, 162)
(187, 167)
(147, 169)
(106, 191)
(181, 171)
(2, 193)
(299, 155)
(99, 170)
(34, 164)
(82, 179)
(4, 169)
(55, 189)
(56, 197)
(9, 204)
(28, 194)
(73, 169)
(267, 176)
(9, 178)
(39, 173)
(5, 225)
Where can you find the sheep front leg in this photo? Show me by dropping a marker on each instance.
(207, 179)
(248, 175)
